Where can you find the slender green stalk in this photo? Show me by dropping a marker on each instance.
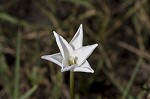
(17, 67)
(128, 87)
(29, 92)
(71, 85)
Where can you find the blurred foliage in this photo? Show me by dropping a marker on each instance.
(121, 62)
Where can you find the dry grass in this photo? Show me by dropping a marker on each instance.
(121, 62)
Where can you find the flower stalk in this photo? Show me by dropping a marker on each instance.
(71, 84)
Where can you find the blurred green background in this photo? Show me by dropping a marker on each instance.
(121, 61)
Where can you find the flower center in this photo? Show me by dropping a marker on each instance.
(72, 60)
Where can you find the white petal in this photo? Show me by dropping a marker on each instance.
(55, 58)
(77, 40)
(68, 68)
(64, 42)
(63, 45)
(84, 52)
(85, 67)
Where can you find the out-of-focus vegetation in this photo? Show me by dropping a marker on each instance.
(121, 62)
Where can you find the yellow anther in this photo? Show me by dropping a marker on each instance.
(72, 60)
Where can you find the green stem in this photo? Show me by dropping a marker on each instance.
(17, 67)
(71, 85)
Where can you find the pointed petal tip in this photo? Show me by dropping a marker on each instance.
(81, 25)
(92, 71)
(55, 33)
(42, 57)
(96, 44)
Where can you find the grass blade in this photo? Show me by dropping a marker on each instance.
(126, 91)
(17, 67)
(29, 93)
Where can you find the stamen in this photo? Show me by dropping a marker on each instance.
(72, 60)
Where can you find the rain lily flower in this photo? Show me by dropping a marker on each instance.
(73, 56)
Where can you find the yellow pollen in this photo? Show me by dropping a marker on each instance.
(72, 60)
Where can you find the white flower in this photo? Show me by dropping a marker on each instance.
(72, 55)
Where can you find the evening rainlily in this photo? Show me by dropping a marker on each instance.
(73, 56)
